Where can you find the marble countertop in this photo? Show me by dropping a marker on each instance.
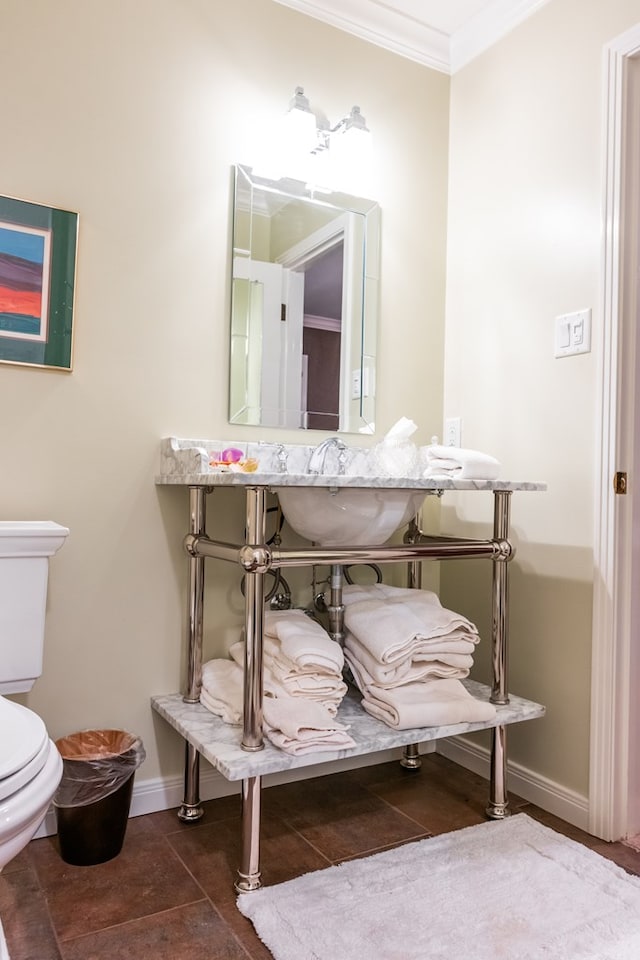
(185, 462)
(219, 742)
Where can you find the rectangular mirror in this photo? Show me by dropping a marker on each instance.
(304, 303)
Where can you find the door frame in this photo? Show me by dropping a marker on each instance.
(614, 803)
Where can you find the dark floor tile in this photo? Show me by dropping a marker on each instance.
(339, 818)
(186, 933)
(434, 796)
(25, 917)
(145, 878)
(19, 862)
(244, 930)
(212, 854)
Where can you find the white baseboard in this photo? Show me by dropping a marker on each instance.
(567, 804)
(165, 793)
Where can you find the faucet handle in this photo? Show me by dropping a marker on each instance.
(282, 455)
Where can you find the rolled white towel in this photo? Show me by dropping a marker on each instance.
(407, 671)
(458, 463)
(430, 703)
(222, 689)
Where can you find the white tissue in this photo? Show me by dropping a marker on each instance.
(396, 455)
(401, 430)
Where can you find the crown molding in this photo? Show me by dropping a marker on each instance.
(409, 37)
(382, 26)
(486, 28)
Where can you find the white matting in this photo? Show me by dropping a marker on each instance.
(509, 890)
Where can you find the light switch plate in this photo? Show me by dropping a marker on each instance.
(573, 333)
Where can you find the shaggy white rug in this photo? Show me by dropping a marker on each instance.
(508, 890)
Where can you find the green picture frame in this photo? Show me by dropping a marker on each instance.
(38, 249)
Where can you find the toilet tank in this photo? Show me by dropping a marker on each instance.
(25, 548)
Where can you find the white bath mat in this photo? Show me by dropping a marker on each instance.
(506, 890)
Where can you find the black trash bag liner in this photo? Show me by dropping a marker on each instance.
(96, 764)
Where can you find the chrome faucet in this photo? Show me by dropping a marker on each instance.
(282, 455)
(318, 458)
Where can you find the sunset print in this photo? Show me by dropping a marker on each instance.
(24, 281)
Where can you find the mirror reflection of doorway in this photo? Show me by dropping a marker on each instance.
(321, 339)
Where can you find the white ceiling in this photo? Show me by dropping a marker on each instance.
(442, 34)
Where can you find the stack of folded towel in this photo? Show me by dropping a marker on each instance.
(303, 685)
(300, 659)
(457, 463)
(408, 654)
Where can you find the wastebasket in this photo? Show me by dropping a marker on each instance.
(93, 798)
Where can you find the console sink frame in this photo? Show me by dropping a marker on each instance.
(250, 758)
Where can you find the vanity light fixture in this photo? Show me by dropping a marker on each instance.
(334, 157)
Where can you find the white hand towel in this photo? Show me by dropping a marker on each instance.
(459, 463)
(392, 632)
(222, 689)
(455, 665)
(304, 641)
(424, 603)
(301, 727)
(323, 688)
(332, 742)
(299, 719)
(432, 703)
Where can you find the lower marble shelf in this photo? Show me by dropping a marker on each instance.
(219, 742)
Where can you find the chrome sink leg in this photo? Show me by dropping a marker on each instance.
(252, 735)
(336, 606)
(497, 808)
(252, 738)
(249, 872)
(191, 809)
(410, 757)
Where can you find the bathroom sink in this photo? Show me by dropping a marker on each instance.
(348, 516)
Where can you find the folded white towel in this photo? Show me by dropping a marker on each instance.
(407, 671)
(431, 703)
(222, 689)
(395, 623)
(304, 641)
(326, 689)
(459, 463)
(299, 719)
(331, 742)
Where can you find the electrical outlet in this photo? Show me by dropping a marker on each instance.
(452, 432)
(356, 385)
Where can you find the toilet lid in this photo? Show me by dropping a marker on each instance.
(22, 735)
(26, 774)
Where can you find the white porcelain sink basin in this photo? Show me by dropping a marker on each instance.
(348, 516)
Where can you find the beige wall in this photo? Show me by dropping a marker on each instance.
(132, 114)
(525, 243)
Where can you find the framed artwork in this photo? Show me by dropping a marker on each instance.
(37, 280)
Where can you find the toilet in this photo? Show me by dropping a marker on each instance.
(30, 765)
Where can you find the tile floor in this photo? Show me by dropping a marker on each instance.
(169, 894)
